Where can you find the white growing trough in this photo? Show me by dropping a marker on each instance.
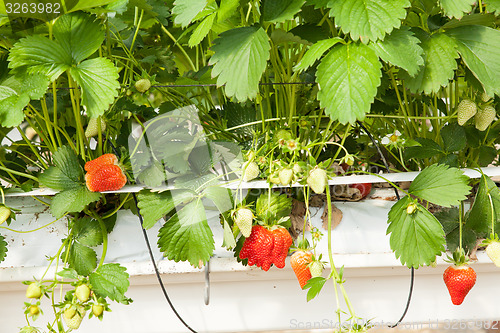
(246, 298)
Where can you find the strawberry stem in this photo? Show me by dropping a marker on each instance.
(460, 212)
(104, 232)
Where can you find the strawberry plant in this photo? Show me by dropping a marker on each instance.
(180, 97)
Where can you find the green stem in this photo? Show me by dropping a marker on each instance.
(28, 231)
(104, 232)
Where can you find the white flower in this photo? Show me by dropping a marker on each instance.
(393, 139)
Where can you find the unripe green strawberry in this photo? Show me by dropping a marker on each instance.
(73, 322)
(466, 110)
(493, 252)
(484, 117)
(317, 180)
(316, 268)
(82, 292)
(251, 171)
(243, 218)
(97, 309)
(142, 85)
(297, 168)
(92, 129)
(34, 310)
(285, 175)
(33, 290)
(69, 312)
(5, 213)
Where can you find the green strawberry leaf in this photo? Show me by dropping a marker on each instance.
(471, 19)
(401, 48)
(39, 54)
(417, 238)
(368, 19)
(479, 47)
(448, 217)
(453, 136)
(98, 79)
(55, 179)
(11, 107)
(220, 196)
(87, 231)
(277, 11)
(314, 285)
(348, 78)
(186, 236)
(3, 248)
(441, 185)
(66, 160)
(111, 280)
(33, 85)
(315, 52)
(87, 4)
(202, 30)
(240, 58)
(81, 258)
(439, 63)
(72, 200)
(228, 240)
(68, 273)
(79, 35)
(185, 11)
(486, 207)
(227, 8)
(425, 148)
(153, 206)
(492, 5)
(271, 208)
(456, 8)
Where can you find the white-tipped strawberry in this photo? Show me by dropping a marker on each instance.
(250, 171)
(484, 117)
(317, 180)
(92, 129)
(465, 110)
(285, 175)
(493, 252)
(243, 218)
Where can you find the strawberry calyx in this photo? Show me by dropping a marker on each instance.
(458, 258)
(493, 238)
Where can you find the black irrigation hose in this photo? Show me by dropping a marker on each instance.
(412, 278)
(146, 238)
(210, 85)
(151, 256)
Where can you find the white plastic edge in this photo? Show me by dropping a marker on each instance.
(352, 179)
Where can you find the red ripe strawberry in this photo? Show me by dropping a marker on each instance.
(106, 178)
(299, 262)
(263, 249)
(364, 188)
(248, 249)
(258, 247)
(282, 242)
(106, 159)
(459, 280)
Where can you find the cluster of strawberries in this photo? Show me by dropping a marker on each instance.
(265, 247)
(104, 174)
